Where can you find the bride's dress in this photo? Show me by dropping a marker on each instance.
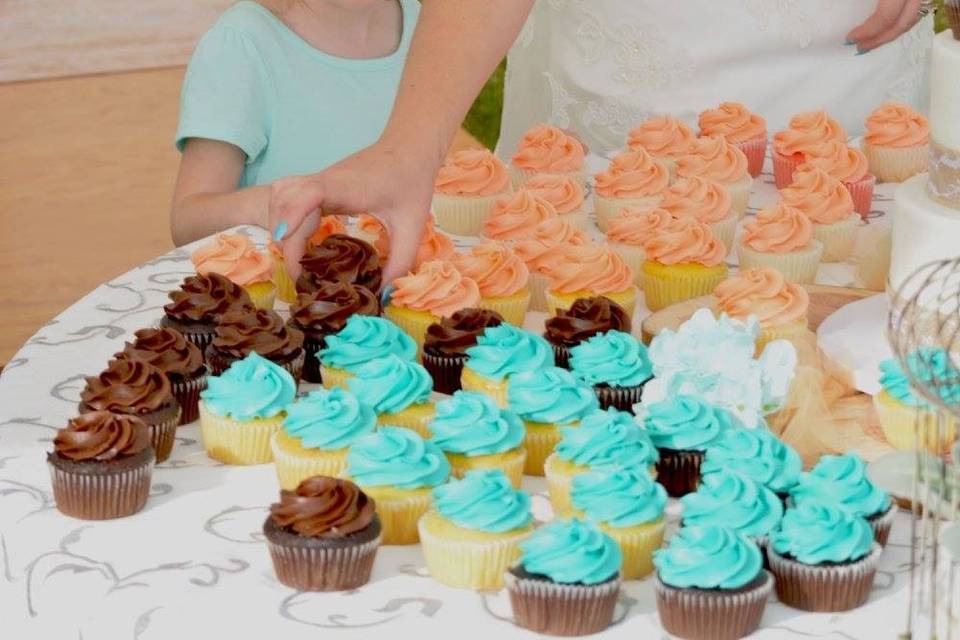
(599, 67)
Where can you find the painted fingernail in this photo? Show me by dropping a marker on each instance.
(849, 43)
(280, 231)
(860, 53)
(386, 294)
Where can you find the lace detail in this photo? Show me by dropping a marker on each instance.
(791, 18)
(560, 102)
(914, 63)
(943, 184)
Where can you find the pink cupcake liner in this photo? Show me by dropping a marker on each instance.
(862, 193)
(756, 150)
(783, 168)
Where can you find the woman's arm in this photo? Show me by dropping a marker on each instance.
(206, 199)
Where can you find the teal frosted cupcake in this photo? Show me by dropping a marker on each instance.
(823, 558)
(608, 438)
(567, 581)
(316, 432)
(758, 455)
(500, 352)
(842, 481)
(362, 339)
(627, 504)
(710, 584)
(398, 390)
(683, 428)
(475, 433)
(545, 400)
(471, 536)
(616, 365)
(729, 499)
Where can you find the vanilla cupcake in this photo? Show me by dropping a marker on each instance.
(663, 137)
(564, 193)
(849, 166)
(500, 352)
(897, 142)
(705, 201)
(781, 237)
(515, 216)
(630, 230)
(806, 131)
(398, 391)
(465, 189)
(541, 250)
(683, 261)
(632, 179)
(362, 339)
(588, 271)
(235, 257)
(545, 149)
(745, 130)
(716, 160)
(830, 208)
(501, 277)
(779, 306)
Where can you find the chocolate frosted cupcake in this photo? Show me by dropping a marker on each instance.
(325, 311)
(101, 466)
(133, 387)
(446, 342)
(586, 317)
(180, 360)
(616, 365)
(197, 306)
(259, 331)
(323, 536)
(340, 258)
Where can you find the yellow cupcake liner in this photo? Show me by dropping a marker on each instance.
(559, 474)
(467, 559)
(539, 441)
(510, 462)
(512, 308)
(538, 283)
(637, 544)
(238, 442)
(725, 230)
(837, 238)
(909, 428)
(334, 378)
(399, 511)
(286, 288)
(626, 299)
(412, 322)
(740, 196)
(262, 294)
(791, 331)
(796, 266)
(664, 285)
(606, 209)
(891, 164)
(416, 417)
(470, 380)
(294, 464)
(632, 255)
(462, 215)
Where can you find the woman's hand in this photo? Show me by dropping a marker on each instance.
(890, 20)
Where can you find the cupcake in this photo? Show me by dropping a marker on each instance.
(566, 194)
(324, 312)
(261, 331)
(318, 428)
(897, 142)
(435, 290)
(779, 306)
(716, 160)
(806, 131)
(633, 179)
(602, 439)
(362, 339)
(181, 361)
(545, 149)
(541, 250)
(829, 206)
(398, 469)
(740, 127)
(710, 584)
(328, 226)
(242, 408)
(567, 581)
(849, 166)
(369, 229)
(133, 387)
(627, 505)
(472, 535)
(515, 216)
(284, 284)
(101, 465)
(589, 271)
(501, 277)
(781, 237)
(682, 428)
(547, 398)
(340, 257)
(663, 137)
(500, 352)
(446, 342)
(704, 201)
(195, 309)
(629, 231)
(323, 535)
(235, 256)
(842, 481)
(465, 189)
(434, 245)
(475, 433)
(728, 499)
(683, 261)
(616, 365)
(756, 454)
(398, 390)
(585, 318)
(823, 558)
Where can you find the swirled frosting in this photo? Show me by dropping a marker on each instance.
(340, 257)
(765, 294)
(547, 149)
(614, 358)
(563, 192)
(930, 366)
(257, 331)
(251, 388)
(503, 350)
(661, 136)
(373, 229)
(323, 507)
(127, 386)
(391, 384)
(733, 121)
(101, 436)
(838, 160)
(607, 438)
(484, 500)
(233, 256)
(686, 242)
(756, 454)
(842, 481)
(729, 499)
(819, 196)
(457, 333)
(516, 216)
(436, 287)
(550, 395)
(472, 424)
(593, 267)
(618, 497)
(205, 299)
(496, 269)
(697, 198)
(713, 158)
(571, 552)
(167, 350)
(434, 245)
(327, 226)
(685, 423)
(897, 125)
(806, 131)
(817, 533)
(632, 174)
(548, 243)
(327, 309)
(638, 225)
(398, 457)
(365, 338)
(708, 557)
(586, 317)
(329, 419)
(472, 172)
(779, 228)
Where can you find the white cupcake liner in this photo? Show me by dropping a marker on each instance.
(837, 238)
(827, 587)
(796, 266)
(712, 613)
(462, 215)
(891, 164)
(562, 609)
(605, 209)
(740, 195)
(725, 230)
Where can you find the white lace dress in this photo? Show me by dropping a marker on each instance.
(599, 67)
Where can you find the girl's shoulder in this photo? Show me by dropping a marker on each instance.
(247, 18)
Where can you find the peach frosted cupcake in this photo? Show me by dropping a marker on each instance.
(717, 160)
(543, 248)
(465, 189)
(806, 131)
(705, 201)
(897, 142)
(829, 206)
(236, 257)
(663, 137)
(435, 245)
(328, 226)
(742, 128)
(683, 261)
(501, 277)
(779, 306)
(588, 271)
(849, 166)
(369, 229)
(435, 290)
(781, 237)
(514, 216)
(633, 179)
(547, 149)
(564, 193)
(631, 229)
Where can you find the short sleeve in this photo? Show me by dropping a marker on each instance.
(225, 93)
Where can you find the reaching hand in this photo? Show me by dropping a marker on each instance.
(890, 20)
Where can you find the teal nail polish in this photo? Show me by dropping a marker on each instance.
(849, 43)
(386, 294)
(280, 231)
(860, 53)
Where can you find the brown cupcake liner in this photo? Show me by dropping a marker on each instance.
(101, 491)
(219, 362)
(561, 355)
(622, 398)
(187, 393)
(712, 614)
(562, 609)
(200, 334)
(679, 471)
(311, 363)
(445, 371)
(826, 587)
(163, 433)
(881, 523)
